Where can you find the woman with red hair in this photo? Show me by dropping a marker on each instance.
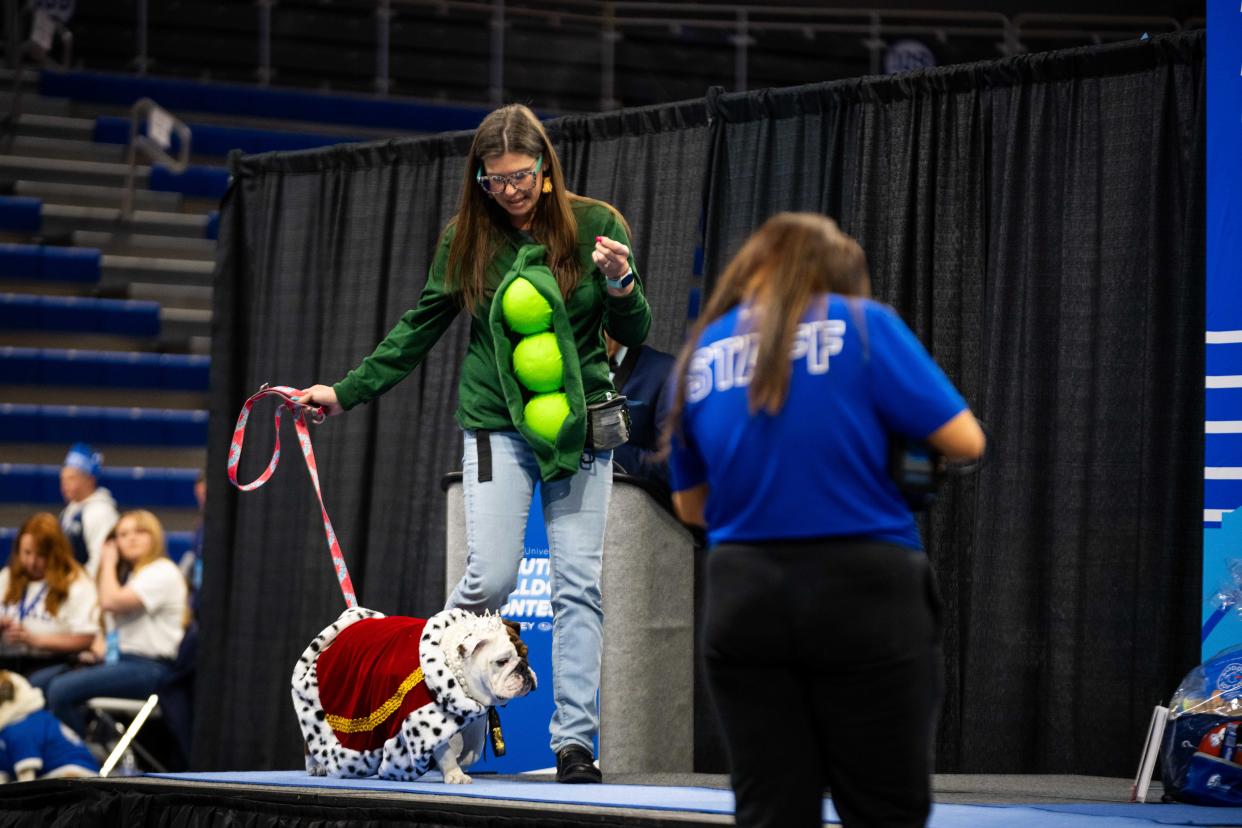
(48, 607)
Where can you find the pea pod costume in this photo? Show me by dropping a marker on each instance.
(481, 400)
(559, 458)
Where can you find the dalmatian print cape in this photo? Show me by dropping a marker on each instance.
(431, 710)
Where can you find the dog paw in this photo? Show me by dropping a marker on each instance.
(456, 776)
(313, 768)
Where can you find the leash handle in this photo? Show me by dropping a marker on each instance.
(300, 411)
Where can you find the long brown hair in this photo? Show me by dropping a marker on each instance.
(479, 220)
(781, 267)
(61, 569)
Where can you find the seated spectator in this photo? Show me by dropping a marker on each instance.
(191, 562)
(48, 607)
(641, 374)
(90, 511)
(144, 598)
(33, 744)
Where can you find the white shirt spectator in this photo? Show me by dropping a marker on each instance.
(156, 630)
(78, 614)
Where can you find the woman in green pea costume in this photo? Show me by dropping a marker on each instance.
(516, 219)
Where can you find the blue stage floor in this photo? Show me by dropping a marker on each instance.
(705, 800)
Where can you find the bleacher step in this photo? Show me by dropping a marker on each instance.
(38, 146)
(143, 244)
(14, 514)
(35, 104)
(184, 323)
(171, 296)
(99, 173)
(92, 195)
(63, 218)
(118, 269)
(56, 126)
(59, 395)
(151, 456)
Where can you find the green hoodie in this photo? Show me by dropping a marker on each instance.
(481, 398)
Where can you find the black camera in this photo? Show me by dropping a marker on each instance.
(919, 470)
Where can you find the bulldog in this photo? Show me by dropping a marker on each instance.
(392, 696)
(33, 742)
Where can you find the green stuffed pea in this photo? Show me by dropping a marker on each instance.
(542, 388)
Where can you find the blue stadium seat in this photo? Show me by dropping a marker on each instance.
(180, 96)
(219, 140)
(198, 182)
(21, 214)
(23, 423)
(133, 487)
(37, 262)
(73, 314)
(104, 369)
(177, 543)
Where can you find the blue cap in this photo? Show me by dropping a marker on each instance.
(84, 458)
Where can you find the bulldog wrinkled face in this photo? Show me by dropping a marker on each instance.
(495, 673)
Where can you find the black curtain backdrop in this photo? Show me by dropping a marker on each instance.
(320, 253)
(650, 164)
(1038, 221)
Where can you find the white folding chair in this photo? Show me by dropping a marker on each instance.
(108, 711)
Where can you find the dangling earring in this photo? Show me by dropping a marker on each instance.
(547, 185)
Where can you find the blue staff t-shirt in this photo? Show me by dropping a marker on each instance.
(819, 467)
(42, 743)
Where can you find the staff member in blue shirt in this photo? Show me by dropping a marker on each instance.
(821, 630)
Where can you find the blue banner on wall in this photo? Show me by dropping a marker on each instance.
(1222, 485)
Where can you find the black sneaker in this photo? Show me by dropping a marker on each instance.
(575, 765)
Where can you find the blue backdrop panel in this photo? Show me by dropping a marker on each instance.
(1224, 358)
(1222, 452)
(1223, 403)
(1224, 449)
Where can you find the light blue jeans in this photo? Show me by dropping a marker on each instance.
(574, 511)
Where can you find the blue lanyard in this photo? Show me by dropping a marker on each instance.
(23, 609)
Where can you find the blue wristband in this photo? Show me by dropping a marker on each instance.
(622, 283)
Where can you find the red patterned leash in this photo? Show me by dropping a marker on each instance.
(299, 411)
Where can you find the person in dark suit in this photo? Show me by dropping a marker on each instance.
(641, 374)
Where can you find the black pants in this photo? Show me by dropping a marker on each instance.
(823, 661)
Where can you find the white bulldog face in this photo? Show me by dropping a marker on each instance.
(493, 671)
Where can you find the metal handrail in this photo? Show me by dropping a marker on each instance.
(140, 143)
(739, 21)
(38, 58)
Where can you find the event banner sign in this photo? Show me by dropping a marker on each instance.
(1222, 485)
